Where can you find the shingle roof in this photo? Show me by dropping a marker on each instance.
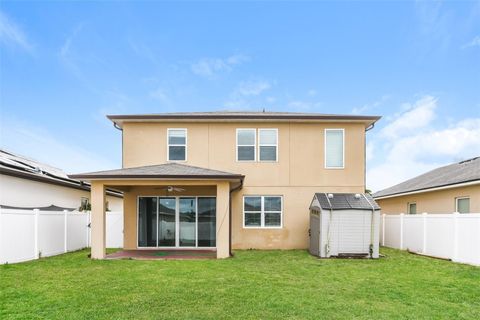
(461, 172)
(241, 116)
(345, 201)
(165, 171)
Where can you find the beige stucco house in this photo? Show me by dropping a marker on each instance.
(226, 180)
(452, 188)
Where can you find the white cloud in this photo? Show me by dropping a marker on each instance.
(474, 43)
(35, 142)
(411, 144)
(211, 67)
(417, 116)
(160, 95)
(252, 88)
(301, 106)
(11, 34)
(312, 92)
(71, 60)
(370, 106)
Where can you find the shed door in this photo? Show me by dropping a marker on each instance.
(314, 233)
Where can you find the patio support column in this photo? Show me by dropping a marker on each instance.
(98, 220)
(223, 219)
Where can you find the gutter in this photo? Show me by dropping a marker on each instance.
(240, 186)
(443, 187)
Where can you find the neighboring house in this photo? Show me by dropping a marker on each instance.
(28, 184)
(227, 180)
(452, 188)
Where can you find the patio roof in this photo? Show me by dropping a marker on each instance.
(161, 171)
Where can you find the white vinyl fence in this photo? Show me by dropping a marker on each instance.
(452, 236)
(31, 234)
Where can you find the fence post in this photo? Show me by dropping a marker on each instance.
(401, 230)
(36, 213)
(88, 228)
(1, 228)
(65, 224)
(455, 236)
(383, 229)
(424, 243)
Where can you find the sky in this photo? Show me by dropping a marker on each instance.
(65, 65)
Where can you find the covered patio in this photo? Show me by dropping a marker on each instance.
(171, 211)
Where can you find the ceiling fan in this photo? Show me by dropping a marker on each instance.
(171, 189)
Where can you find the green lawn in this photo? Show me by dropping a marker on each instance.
(253, 284)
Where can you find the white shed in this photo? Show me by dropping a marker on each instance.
(344, 224)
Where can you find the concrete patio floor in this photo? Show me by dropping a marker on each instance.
(163, 254)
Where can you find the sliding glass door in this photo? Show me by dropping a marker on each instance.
(166, 222)
(147, 222)
(187, 222)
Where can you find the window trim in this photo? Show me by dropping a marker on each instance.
(408, 207)
(262, 211)
(268, 145)
(246, 145)
(460, 198)
(178, 145)
(325, 148)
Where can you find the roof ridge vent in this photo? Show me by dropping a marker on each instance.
(468, 160)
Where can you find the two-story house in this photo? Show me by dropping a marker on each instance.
(226, 180)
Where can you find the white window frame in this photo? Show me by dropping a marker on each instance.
(408, 207)
(268, 145)
(177, 145)
(325, 148)
(262, 212)
(246, 145)
(456, 203)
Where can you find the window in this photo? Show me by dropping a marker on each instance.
(334, 149)
(246, 144)
(177, 144)
(262, 211)
(268, 140)
(462, 205)
(412, 208)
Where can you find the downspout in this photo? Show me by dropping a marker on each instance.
(115, 125)
(327, 245)
(372, 229)
(240, 186)
(370, 127)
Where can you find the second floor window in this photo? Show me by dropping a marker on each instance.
(334, 149)
(177, 144)
(267, 144)
(246, 144)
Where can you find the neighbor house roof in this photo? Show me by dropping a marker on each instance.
(222, 116)
(344, 201)
(26, 168)
(453, 175)
(160, 171)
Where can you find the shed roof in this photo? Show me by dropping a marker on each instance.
(160, 171)
(345, 201)
(450, 175)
